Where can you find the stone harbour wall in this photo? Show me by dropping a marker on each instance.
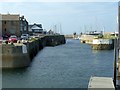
(18, 56)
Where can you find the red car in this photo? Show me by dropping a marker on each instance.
(13, 39)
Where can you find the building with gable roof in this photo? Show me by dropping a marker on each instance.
(35, 28)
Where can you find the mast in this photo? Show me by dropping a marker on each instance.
(103, 30)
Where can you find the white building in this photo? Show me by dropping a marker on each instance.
(35, 28)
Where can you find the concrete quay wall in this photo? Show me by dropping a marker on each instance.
(22, 55)
(12, 56)
(102, 46)
(118, 70)
(54, 41)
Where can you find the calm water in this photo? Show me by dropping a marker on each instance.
(65, 66)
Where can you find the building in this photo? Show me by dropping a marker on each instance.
(0, 25)
(50, 32)
(35, 28)
(23, 25)
(13, 24)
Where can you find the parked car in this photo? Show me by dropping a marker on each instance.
(6, 36)
(25, 36)
(1, 38)
(13, 39)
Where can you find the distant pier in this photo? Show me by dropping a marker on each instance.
(98, 42)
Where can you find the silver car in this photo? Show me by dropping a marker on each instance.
(25, 36)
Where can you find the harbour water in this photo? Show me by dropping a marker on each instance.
(66, 66)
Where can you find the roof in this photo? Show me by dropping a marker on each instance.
(35, 27)
(101, 82)
(10, 16)
(38, 25)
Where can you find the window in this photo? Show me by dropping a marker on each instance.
(5, 29)
(12, 22)
(5, 22)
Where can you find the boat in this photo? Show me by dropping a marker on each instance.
(89, 36)
(102, 44)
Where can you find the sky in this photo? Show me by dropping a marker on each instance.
(71, 16)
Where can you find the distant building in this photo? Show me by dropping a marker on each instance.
(50, 32)
(13, 24)
(44, 31)
(35, 28)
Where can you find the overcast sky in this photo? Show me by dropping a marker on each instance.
(73, 16)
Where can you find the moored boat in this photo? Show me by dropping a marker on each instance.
(102, 44)
(89, 36)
